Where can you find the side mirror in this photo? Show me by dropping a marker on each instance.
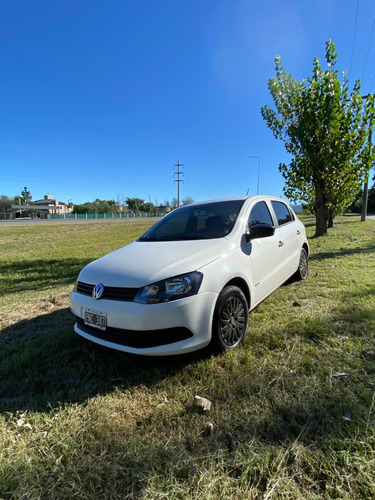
(259, 231)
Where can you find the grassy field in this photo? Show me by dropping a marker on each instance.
(293, 412)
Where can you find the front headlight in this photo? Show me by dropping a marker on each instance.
(174, 288)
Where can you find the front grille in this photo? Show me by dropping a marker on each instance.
(137, 339)
(110, 292)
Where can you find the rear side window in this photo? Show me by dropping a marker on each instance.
(260, 214)
(283, 214)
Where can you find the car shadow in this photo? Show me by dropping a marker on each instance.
(44, 363)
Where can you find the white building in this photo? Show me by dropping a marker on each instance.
(52, 206)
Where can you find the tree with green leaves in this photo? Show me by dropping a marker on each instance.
(26, 196)
(174, 203)
(148, 207)
(325, 128)
(98, 206)
(135, 204)
(188, 200)
(356, 205)
(5, 200)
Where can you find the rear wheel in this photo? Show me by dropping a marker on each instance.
(230, 319)
(303, 266)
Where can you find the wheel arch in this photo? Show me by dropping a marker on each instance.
(242, 285)
(305, 246)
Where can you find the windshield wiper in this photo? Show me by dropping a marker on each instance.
(161, 238)
(147, 238)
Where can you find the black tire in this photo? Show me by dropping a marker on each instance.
(230, 319)
(303, 266)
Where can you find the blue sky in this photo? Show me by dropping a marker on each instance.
(99, 99)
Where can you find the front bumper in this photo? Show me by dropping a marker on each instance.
(174, 327)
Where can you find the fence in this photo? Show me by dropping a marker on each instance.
(104, 216)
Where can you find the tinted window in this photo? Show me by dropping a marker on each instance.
(282, 212)
(196, 222)
(176, 225)
(260, 214)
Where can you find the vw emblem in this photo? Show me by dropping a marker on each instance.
(98, 291)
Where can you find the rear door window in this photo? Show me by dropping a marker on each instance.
(282, 212)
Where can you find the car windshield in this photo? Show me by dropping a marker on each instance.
(196, 222)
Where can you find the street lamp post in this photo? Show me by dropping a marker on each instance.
(258, 170)
(365, 186)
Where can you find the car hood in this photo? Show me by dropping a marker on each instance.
(143, 263)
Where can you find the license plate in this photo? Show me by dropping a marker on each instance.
(96, 319)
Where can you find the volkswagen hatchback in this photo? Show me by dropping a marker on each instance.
(191, 279)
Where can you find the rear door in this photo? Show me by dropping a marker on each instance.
(290, 234)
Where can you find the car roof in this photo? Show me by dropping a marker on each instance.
(239, 198)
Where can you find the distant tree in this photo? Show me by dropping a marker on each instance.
(5, 200)
(112, 205)
(26, 196)
(135, 204)
(84, 208)
(185, 201)
(121, 202)
(356, 205)
(326, 131)
(371, 200)
(149, 207)
(188, 200)
(104, 206)
(98, 206)
(174, 203)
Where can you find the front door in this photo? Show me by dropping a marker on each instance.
(267, 256)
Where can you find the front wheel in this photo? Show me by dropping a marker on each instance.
(303, 266)
(230, 319)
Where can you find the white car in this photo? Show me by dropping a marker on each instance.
(192, 278)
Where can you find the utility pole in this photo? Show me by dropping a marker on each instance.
(258, 157)
(178, 180)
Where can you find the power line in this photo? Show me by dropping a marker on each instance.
(354, 37)
(372, 83)
(368, 49)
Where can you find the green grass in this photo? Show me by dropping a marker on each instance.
(81, 421)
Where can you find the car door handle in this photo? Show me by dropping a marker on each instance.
(281, 243)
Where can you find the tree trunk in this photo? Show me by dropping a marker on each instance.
(320, 221)
(321, 210)
(330, 218)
